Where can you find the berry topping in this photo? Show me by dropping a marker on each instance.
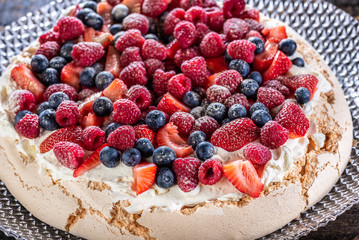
(163, 156)
(67, 113)
(131, 157)
(140, 96)
(85, 54)
(233, 8)
(160, 81)
(122, 138)
(236, 111)
(145, 147)
(212, 45)
(215, 18)
(196, 138)
(66, 51)
(67, 89)
(275, 84)
(261, 117)
(259, 44)
(57, 98)
(28, 126)
(186, 170)
(130, 55)
(178, 85)
(154, 49)
(112, 127)
(19, 100)
(50, 76)
(192, 99)
(119, 12)
(270, 97)
(299, 62)
(144, 131)
(205, 124)
(152, 65)
(240, 66)
(217, 111)
(210, 172)
(257, 153)
(170, 105)
(69, 134)
(273, 135)
(288, 46)
(116, 90)
(57, 63)
(69, 154)
(87, 77)
(249, 87)
(263, 60)
(198, 112)
(235, 29)
(144, 175)
(172, 19)
(230, 79)
(93, 138)
(133, 74)
(242, 49)
(94, 21)
(185, 33)
(136, 21)
(302, 95)
(205, 150)
(49, 50)
(186, 54)
(196, 70)
(39, 63)
(257, 106)
(184, 122)
(50, 36)
(70, 74)
(154, 8)
(237, 98)
(126, 112)
(280, 65)
(70, 28)
(165, 178)
(42, 107)
(308, 81)
(155, 119)
(131, 38)
(196, 15)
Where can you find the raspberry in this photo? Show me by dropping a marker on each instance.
(144, 131)
(257, 153)
(67, 114)
(210, 172)
(253, 33)
(205, 124)
(235, 29)
(174, 17)
(254, 25)
(160, 81)
(186, 170)
(154, 49)
(308, 81)
(170, 65)
(93, 138)
(136, 21)
(185, 33)
(85, 93)
(183, 55)
(186, 4)
(242, 49)
(201, 31)
(122, 138)
(87, 53)
(113, 2)
(69, 154)
(131, 38)
(178, 85)
(230, 79)
(196, 70)
(152, 65)
(49, 49)
(61, 87)
(183, 121)
(126, 112)
(233, 8)
(139, 95)
(212, 45)
(237, 98)
(130, 55)
(29, 126)
(274, 84)
(196, 15)
(70, 28)
(271, 98)
(50, 36)
(133, 74)
(154, 8)
(217, 93)
(19, 100)
(215, 18)
(251, 14)
(209, 3)
(273, 135)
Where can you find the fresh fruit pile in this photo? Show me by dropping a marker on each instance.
(158, 86)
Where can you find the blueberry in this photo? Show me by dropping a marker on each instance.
(288, 46)
(83, 13)
(155, 119)
(196, 138)
(299, 62)
(87, 76)
(112, 127)
(115, 28)
(145, 147)
(205, 150)
(205, 103)
(240, 66)
(39, 63)
(131, 157)
(257, 106)
(200, 91)
(163, 156)
(93, 20)
(58, 63)
(102, 107)
(20, 115)
(198, 112)
(192, 99)
(98, 67)
(151, 36)
(66, 51)
(50, 76)
(302, 95)
(103, 79)
(42, 107)
(261, 117)
(225, 121)
(91, 5)
(217, 111)
(119, 12)
(259, 44)
(56, 98)
(227, 57)
(237, 111)
(165, 178)
(249, 87)
(110, 157)
(47, 120)
(256, 76)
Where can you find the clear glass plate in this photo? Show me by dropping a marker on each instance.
(332, 32)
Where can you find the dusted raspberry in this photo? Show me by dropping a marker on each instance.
(131, 38)
(139, 95)
(196, 15)
(237, 98)
(144, 131)
(136, 21)
(215, 18)
(174, 17)
(85, 93)
(50, 36)
(250, 14)
(210, 172)
(87, 53)
(126, 112)
(29, 126)
(178, 86)
(122, 138)
(242, 49)
(70, 28)
(230, 79)
(275, 84)
(233, 8)
(130, 55)
(19, 100)
(253, 33)
(217, 93)
(183, 55)
(49, 49)
(133, 74)
(154, 8)
(152, 65)
(254, 25)
(209, 3)
(257, 153)
(235, 29)
(93, 138)
(160, 81)
(183, 121)
(169, 105)
(186, 170)
(61, 87)
(196, 70)
(69, 154)
(206, 124)
(201, 31)
(185, 33)
(224, 39)
(212, 45)
(274, 135)
(154, 49)
(70, 134)
(186, 4)
(271, 98)
(67, 114)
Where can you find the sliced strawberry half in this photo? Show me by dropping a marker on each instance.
(216, 65)
(277, 33)
(133, 5)
(172, 49)
(308, 81)
(116, 90)
(88, 117)
(70, 74)
(104, 38)
(212, 80)
(170, 105)
(263, 60)
(69, 134)
(144, 176)
(113, 62)
(244, 177)
(280, 65)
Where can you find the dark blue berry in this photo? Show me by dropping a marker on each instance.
(205, 103)
(98, 67)
(115, 28)
(93, 20)
(200, 91)
(163, 156)
(83, 13)
(227, 57)
(237, 111)
(225, 121)
(87, 76)
(91, 5)
(110, 157)
(47, 120)
(58, 63)
(39, 63)
(261, 117)
(217, 111)
(302, 95)
(50, 76)
(240, 66)
(299, 62)
(42, 107)
(102, 107)
(151, 36)
(131, 157)
(66, 51)
(259, 44)
(196, 138)
(257, 106)
(249, 87)
(20, 115)
(119, 12)
(205, 150)
(145, 147)
(56, 98)
(155, 119)
(112, 127)
(288, 46)
(165, 178)
(192, 99)
(198, 112)
(256, 76)
(103, 79)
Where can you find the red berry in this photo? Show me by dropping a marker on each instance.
(172, 49)
(237, 98)
(170, 65)
(217, 93)
(280, 65)
(233, 8)
(113, 59)
(242, 49)
(174, 17)
(67, 114)
(169, 104)
(201, 31)
(154, 8)
(70, 134)
(196, 70)
(160, 81)
(86, 93)
(122, 138)
(235, 29)
(186, 4)
(185, 33)
(250, 14)
(140, 96)
(274, 135)
(186, 170)
(196, 15)
(133, 74)
(85, 54)
(49, 49)
(263, 60)
(308, 81)
(178, 85)
(216, 65)
(210, 172)
(69, 154)
(93, 137)
(61, 87)
(136, 21)
(206, 124)
(29, 126)
(19, 100)
(257, 153)
(70, 28)
(230, 79)
(114, 2)
(130, 55)
(275, 84)
(184, 122)
(70, 74)
(183, 55)
(215, 18)
(270, 97)
(116, 90)
(212, 45)
(154, 49)
(209, 3)
(254, 25)
(144, 131)
(253, 33)
(50, 36)
(152, 65)
(131, 38)
(126, 112)
(144, 175)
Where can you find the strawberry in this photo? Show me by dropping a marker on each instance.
(91, 35)
(212, 80)
(133, 5)
(168, 136)
(170, 105)
(217, 64)
(280, 65)
(172, 49)
(308, 81)
(271, 98)
(70, 74)
(186, 170)
(89, 163)
(69, 134)
(244, 177)
(144, 176)
(235, 135)
(88, 117)
(104, 10)
(113, 62)
(116, 90)
(263, 60)
(85, 54)
(24, 77)
(70, 28)
(277, 34)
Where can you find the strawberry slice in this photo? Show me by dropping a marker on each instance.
(308, 81)
(217, 64)
(70, 74)
(90, 162)
(170, 105)
(23, 76)
(263, 60)
(260, 170)
(133, 5)
(212, 80)
(91, 35)
(104, 9)
(244, 177)
(172, 49)
(69, 134)
(113, 62)
(144, 176)
(88, 117)
(280, 65)
(168, 136)
(116, 90)
(277, 34)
